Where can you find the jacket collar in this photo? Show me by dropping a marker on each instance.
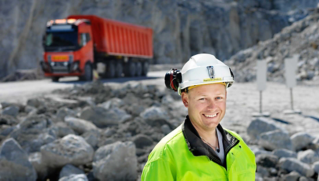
(199, 148)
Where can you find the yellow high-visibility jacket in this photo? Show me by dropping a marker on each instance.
(181, 155)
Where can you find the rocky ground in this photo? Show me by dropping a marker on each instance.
(104, 132)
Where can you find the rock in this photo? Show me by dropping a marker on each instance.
(8, 120)
(267, 160)
(103, 118)
(292, 176)
(308, 156)
(113, 103)
(258, 177)
(36, 102)
(141, 141)
(39, 165)
(29, 109)
(166, 129)
(301, 140)
(140, 89)
(71, 149)
(303, 179)
(315, 167)
(61, 129)
(110, 160)
(5, 130)
(292, 164)
(261, 125)
(167, 100)
(74, 177)
(275, 139)
(68, 170)
(64, 111)
(92, 138)
(154, 116)
(80, 126)
(136, 109)
(33, 132)
(11, 110)
(14, 163)
(262, 171)
(284, 153)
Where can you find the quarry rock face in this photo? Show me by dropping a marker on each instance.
(181, 28)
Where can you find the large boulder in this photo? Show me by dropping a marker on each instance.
(71, 149)
(301, 140)
(141, 141)
(33, 132)
(261, 125)
(292, 164)
(275, 139)
(80, 126)
(284, 153)
(267, 160)
(14, 163)
(115, 161)
(155, 116)
(8, 120)
(308, 156)
(102, 117)
(11, 110)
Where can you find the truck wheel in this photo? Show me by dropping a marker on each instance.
(145, 66)
(130, 69)
(118, 69)
(138, 69)
(55, 79)
(87, 73)
(110, 69)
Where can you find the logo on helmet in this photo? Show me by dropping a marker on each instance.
(211, 72)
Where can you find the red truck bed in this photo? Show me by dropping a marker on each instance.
(118, 38)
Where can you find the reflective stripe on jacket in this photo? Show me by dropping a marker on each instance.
(181, 155)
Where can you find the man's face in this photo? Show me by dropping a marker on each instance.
(206, 105)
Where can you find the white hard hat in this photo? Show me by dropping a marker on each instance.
(205, 69)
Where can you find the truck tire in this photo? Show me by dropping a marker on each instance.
(145, 66)
(118, 69)
(87, 73)
(110, 69)
(55, 79)
(130, 69)
(138, 69)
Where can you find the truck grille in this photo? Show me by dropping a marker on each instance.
(59, 67)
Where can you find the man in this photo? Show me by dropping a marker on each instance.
(201, 149)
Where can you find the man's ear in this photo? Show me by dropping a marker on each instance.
(185, 99)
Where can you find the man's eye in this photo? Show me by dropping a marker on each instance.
(202, 99)
(219, 98)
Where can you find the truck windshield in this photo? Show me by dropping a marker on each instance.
(61, 39)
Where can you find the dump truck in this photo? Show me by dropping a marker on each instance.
(81, 44)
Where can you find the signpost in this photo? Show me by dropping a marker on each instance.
(261, 85)
(290, 74)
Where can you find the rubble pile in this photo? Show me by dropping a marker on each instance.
(99, 132)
